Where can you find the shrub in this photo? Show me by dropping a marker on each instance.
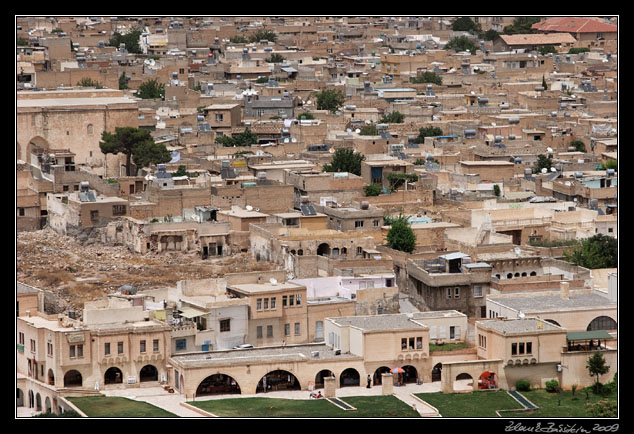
(552, 386)
(523, 386)
(372, 190)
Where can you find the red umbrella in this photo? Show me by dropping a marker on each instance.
(397, 371)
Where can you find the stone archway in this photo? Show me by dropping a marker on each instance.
(148, 373)
(113, 375)
(51, 377)
(410, 375)
(323, 249)
(19, 397)
(377, 378)
(218, 384)
(47, 405)
(349, 377)
(319, 378)
(463, 381)
(72, 379)
(278, 380)
(436, 372)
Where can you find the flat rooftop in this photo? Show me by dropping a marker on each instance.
(281, 354)
(525, 325)
(554, 302)
(254, 288)
(381, 322)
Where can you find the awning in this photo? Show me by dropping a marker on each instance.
(191, 312)
(456, 255)
(586, 336)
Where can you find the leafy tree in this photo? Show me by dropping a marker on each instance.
(372, 190)
(543, 162)
(598, 251)
(305, 116)
(544, 85)
(123, 81)
(368, 130)
(263, 35)
(427, 132)
(392, 118)
(345, 160)
(521, 25)
(578, 145)
(151, 89)
(238, 39)
(130, 39)
(401, 236)
(182, 171)
(262, 79)
(545, 49)
(419, 162)
(610, 164)
(66, 414)
(398, 179)
(496, 190)
(427, 77)
(275, 58)
(136, 144)
(490, 35)
(330, 99)
(465, 24)
(245, 138)
(461, 43)
(597, 366)
(577, 50)
(22, 42)
(89, 82)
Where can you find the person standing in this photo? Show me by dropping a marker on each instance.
(369, 382)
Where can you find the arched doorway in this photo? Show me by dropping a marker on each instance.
(19, 397)
(349, 377)
(148, 373)
(410, 375)
(38, 402)
(51, 377)
(436, 372)
(319, 378)
(113, 376)
(72, 379)
(218, 384)
(47, 405)
(602, 323)
(323, 249)
(487, 381)
(278, 380)
(31, 399)
(463, 381)
(377, 378)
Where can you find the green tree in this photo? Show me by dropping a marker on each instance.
(577, 50)
(89, 82)
(521, 25)
(330, 99)
(275, 58)
(427, 132)
(372, 190)
(610, 164)
(368, 130)
(182, 171)
(544, 85)
(130, 39)
(401, 237)
(238, 39)
(22, 42)
(151, 89)
(490, 35)
(305, 116)
(245, 138)
(428, 77)
(465, 24)
(345, 160)
(545, 49)
(262, 79)
(261, 35)
(123, 81)
(392, 118)
(598, 251)
(578, 145)
(543, 162)
(496, 190)
(461, 43)
(136, 144)
(597, 366)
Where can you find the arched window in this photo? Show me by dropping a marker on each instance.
(602, 323)
(90, 129)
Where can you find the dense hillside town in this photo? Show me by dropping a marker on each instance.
(418, 211)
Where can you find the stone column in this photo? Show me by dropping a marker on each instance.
(387, 383)
(330, 387)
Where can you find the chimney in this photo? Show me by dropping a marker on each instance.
(28, 313)
(564, 291)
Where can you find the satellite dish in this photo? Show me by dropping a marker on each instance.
(249, 208)
(549, 149)
(357, 131)
(521, 314)
(273, 281)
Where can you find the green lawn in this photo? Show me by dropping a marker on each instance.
(484, 404)
(558, 405)
(113, 406)
(367, 406)
(475, 404)
(448, 346)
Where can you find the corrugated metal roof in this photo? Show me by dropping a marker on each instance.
(456, 255)
(581, 336)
